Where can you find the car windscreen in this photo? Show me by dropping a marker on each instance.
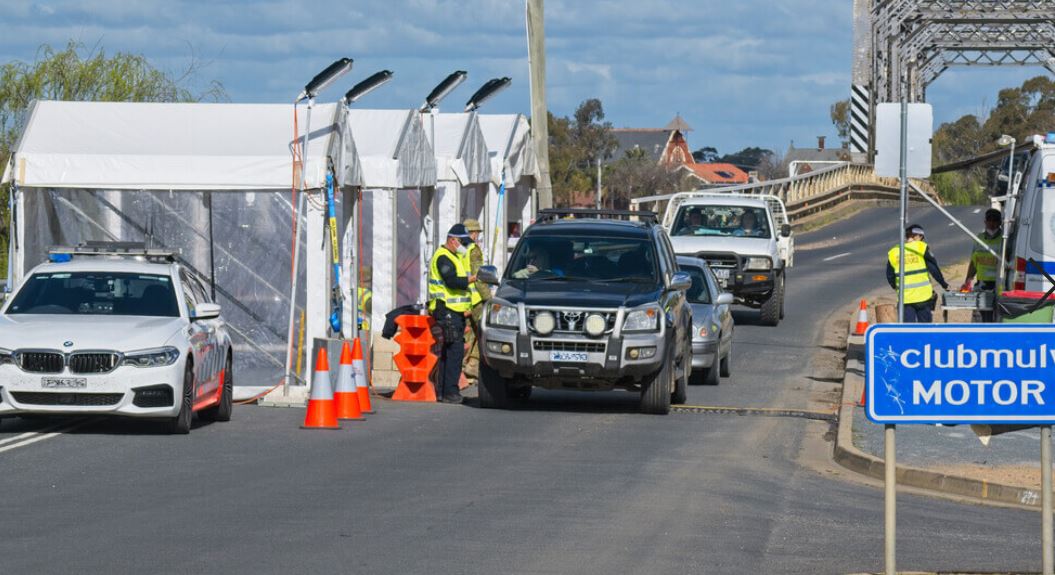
(584, 258)
(698, 292)
(96, 293)
(738, 221)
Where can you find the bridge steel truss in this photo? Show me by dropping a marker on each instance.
(910, 43)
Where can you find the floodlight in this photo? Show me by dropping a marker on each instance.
(325, 78)
(366, 86)
(1005, 140)
(445, 87)
(492, 87)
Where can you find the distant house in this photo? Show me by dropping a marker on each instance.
(666, 145)
(716, 174)
(810, 159)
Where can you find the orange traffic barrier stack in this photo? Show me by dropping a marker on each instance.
(362, 384)
(415, 359)
(862, 319)
(346, 395)
(322, 410)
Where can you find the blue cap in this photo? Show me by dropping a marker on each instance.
(458, 231)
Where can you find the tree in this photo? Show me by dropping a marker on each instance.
(840, 114)
(76, 73)
(575, 144)
(750, 157)
(635, 175)
(706, 155)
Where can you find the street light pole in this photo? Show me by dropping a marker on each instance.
(598, 183)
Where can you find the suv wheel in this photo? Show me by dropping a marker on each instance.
(781, 296)
(724, 365)
(655, 395)
(494, 393)
(772, 306)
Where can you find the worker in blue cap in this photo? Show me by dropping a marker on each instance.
(450, 303)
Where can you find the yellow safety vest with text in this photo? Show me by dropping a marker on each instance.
(474, 294)
(455, 299)
(984, 262)
(917, 280)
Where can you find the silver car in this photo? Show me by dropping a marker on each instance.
(712, 323)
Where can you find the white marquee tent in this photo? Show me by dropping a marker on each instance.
(209, 181)
(509, 143)
(462, 170)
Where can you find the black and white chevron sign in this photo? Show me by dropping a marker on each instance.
(859, 122)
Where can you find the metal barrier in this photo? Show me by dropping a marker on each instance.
(813, 191)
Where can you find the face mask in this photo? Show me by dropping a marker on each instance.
(992, 231)
(461, 250)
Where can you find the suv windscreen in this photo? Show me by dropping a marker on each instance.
(96, 293)
(698, 292)
(589, 259)
(739, 221)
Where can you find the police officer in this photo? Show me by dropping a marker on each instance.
(479, 292)
(983, 264)
(365, 297)
(450, 303)
(920, 267)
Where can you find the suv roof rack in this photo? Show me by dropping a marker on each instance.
(550, 214)
(110, 249)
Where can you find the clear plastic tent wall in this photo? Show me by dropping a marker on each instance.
(512, 156)
(161, 195)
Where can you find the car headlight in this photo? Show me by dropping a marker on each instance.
(503, 316)
(758, 264)
(595, 324)
(152, 357)
(544, 323)
(642, 320)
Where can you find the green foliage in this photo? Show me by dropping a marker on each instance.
(1019, 112)
(840, 115)
(77, 74)
(706, 155)
(575, 144)
(750, 157)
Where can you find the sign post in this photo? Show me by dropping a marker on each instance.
(964, 374)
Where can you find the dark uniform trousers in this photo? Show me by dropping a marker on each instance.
(452, 351)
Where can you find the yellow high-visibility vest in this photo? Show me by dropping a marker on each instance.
(917, 280)
(455, 299)
(365, 295)
(984, 262)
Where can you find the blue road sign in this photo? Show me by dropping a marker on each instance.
(960, 373)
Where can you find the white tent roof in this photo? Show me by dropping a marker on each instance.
(392, 148)
(508, 138)
(194, 146)
(461, 152)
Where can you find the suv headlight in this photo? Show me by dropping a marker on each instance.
(646, 319)
(758, 264)
(503, 316)
(152, 357)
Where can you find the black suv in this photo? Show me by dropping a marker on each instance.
(590, 300)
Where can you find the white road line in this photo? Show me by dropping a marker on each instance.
(32, 437)
(977, 211)
(836, 256)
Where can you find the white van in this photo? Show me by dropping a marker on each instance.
(1032, 229)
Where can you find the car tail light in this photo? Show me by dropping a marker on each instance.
(1020, 274)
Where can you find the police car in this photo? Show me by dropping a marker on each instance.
(117, 330)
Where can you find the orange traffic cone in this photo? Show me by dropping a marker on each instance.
(322, 411)
(862, 319)
(361, 383)
(346, 395)
(862, 402)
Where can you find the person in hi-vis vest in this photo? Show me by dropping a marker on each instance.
(920, 267)
(450, 303)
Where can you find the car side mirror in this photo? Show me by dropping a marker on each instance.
(680, 281)
(725, 298)
(206, 311)
(488, 275)
(785, 231)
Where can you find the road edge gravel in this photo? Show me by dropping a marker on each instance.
(852, 458)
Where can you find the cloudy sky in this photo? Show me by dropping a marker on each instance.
(741, 72)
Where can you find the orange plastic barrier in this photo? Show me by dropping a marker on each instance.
(415, 359)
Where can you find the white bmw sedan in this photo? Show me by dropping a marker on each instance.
(126, 332)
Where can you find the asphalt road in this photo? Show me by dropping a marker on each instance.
(571, 483)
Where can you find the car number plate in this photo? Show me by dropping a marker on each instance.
(568, 356)
(722, 274)
(64, 382)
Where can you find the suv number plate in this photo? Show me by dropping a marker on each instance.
(720, 273)
(568, 356)
(64, 382)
